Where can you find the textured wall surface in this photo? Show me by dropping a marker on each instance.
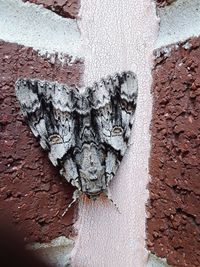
(178, 22)
(174, 211)
(32, 192)
(115, 37)
(65, 8)
(119, 36)
(57, 252)
(45, 31)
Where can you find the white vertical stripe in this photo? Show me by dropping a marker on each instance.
(118, 36)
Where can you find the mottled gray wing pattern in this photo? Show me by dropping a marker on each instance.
(47, 108)
(86, 134)
(113, 108)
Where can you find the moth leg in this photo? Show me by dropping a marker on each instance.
(75, 196)
(109, 196)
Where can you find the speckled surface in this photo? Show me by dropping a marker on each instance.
(32, 193)
(174, 212)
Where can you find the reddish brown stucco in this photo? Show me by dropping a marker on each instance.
(32, 193)
(173, 226)
(64, 8)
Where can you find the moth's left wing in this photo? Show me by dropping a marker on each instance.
(48, 108)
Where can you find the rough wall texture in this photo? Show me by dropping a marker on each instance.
(161, 3)
(121, 33)
(65, 8)
(174, 211)
(31, 191)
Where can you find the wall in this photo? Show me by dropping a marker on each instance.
(119, 37)
(173, 223)
(49, 47)
(59, 44)
(64, 8)
(33, 195)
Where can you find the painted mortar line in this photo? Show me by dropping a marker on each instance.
(34, 26)
(178, 22)
(121, 38)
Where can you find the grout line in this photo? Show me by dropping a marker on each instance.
(178, 22)
(34, 26)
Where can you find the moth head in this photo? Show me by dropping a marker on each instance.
(92, 181)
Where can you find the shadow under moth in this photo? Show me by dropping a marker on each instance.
(85, 132)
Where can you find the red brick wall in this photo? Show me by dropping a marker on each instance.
(32, 192)
(174, 212)
(65, 8)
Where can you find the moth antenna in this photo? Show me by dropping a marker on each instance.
(75, 196)
(108, 195)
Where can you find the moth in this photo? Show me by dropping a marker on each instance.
(86, 132)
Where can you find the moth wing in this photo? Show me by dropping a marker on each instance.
(47, 108)
(115, 109)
